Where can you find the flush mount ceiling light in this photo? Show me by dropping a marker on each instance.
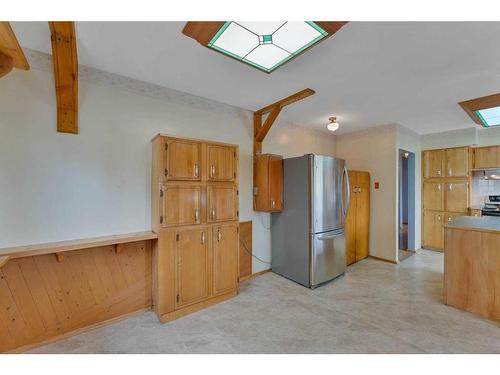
(263, 45)
(333, 125)
(484, 111)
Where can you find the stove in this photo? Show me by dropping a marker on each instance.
(492, 206)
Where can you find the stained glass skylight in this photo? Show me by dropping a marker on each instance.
(266, 45)
(489, 116)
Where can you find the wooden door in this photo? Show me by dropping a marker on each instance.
(433, 229)
(192, 266)
(222, 203)
(182, 160)
(276, 183)
(181, 205)
(433, 196)
(225, 255)
(487, 157)
(221, 163)
(457, 162)
(350, 224)
(457, 196)
(434, 163)
(362, 215)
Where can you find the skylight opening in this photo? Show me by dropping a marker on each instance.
(266, 45)
(489, 116)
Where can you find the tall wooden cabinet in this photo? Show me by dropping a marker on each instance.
(358, 217)
(445, 191)
(195, 213)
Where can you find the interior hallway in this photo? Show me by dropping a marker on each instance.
(376, 307)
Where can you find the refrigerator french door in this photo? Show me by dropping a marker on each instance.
(308, 238)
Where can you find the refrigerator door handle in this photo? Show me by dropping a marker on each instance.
(345, 180)
(326, 238)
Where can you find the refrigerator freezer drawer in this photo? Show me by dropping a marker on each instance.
(328, 256)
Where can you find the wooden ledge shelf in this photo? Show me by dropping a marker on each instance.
(60, 247)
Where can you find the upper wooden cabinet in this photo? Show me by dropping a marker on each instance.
(180, 205)
(433, 163)
(222, 203)
(486, 157)
(457, 162)
(221, 163)
(225, 254)
(433, 196)
(182, 160)
(268, 183)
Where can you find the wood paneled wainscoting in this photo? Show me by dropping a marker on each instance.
(51, 295)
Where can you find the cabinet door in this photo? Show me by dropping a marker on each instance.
(362, 215)
(449, 216)
(457, 197)
(182, 160)
(350, 222)
(487, 157)
(222, 203)
(457, 162)
(225, 271)
(180, 205)
(192, 266)
(221, 163)
(433, 196)
(434, 163)
(276, 183)
(433, 229)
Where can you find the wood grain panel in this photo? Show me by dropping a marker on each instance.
(41, 298)
(245, 249)
(9, 46)
(221, 163)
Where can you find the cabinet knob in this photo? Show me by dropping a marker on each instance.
(196, 214)
(439, 217)
(450, 172)
(212, 171)
(219, 235)
(213, 213)
(196, 170)
(203, 237)
(450, 188)
(438, 172)
(273, 203)
(439, 187)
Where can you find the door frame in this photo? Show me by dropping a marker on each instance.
(411, 196)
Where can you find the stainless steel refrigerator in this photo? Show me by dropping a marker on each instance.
(308, 239)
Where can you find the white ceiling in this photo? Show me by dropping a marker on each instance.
(368, 74)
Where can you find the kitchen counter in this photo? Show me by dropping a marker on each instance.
(472, 265)
(481, 224)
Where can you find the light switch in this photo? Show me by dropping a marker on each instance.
(377, 185)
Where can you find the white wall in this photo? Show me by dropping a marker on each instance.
(374, 150)
(463, 137)
(56, 186)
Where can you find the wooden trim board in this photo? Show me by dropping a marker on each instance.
(256, 274)
(62, 246)
(9, 46)
(382, 259)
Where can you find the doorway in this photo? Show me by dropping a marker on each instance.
(406, 209)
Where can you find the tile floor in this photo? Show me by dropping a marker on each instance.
(376, 307)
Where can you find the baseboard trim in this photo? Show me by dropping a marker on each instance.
(25, 348)
(382, 259)
(254, 275)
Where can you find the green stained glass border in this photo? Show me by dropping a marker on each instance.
(485, 123)
(226, 24)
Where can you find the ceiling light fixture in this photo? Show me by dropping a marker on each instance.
(333, 125)
(263, 45)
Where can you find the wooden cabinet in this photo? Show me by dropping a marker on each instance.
(486, 157)
(433, 163)
(445, 191)
(221, 163)
(358, 217)
(180, 205)
(222, 203)
(449, 216)
(433, 229)
(457, 196)
(475, 212)
(195, 213)
(457, 162)
(433, 196)
(268, 183)
(182, 159)
(192, 266)
(225, 254)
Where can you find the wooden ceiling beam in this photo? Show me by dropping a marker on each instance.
(272, 111)
(11, 53)
(64, 56)
(286, 101)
